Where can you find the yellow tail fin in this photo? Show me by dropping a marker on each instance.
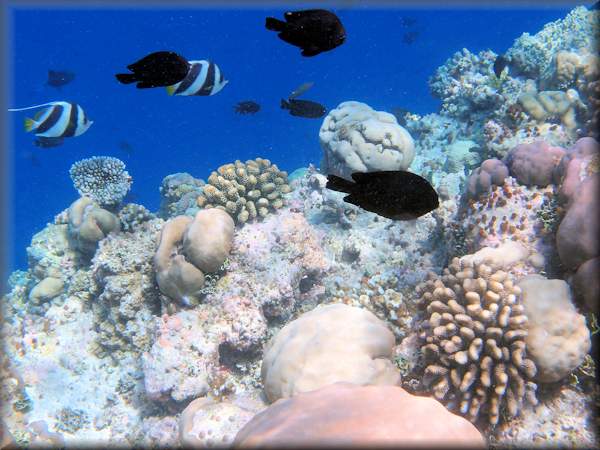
(172, 88)
(30, 124)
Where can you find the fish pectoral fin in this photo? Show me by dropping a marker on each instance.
(30, 124)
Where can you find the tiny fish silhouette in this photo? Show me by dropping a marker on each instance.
(395, 194)
(301, 90)
(247, 107)
(58, 78)
(303, 108)
(312, 30)
(156, 69)
(410, 37)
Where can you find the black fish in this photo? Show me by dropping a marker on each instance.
(58, 78)
(394, 194)
(410, 37)
(303, 108)
(312, 30)
(48, 142)
(156, 69)
(247, 107)
(499, 65)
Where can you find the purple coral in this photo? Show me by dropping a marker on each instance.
(534, 164)
(492, 172)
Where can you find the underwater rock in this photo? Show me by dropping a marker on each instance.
(356, 138)
(89, 224)
(473, 341)
(558, 338)
(347, 415)
(329, 344)
(248, 191)
(46, 290)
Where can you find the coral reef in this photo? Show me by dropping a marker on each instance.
(534, 164)
(546, 105)
(188, 248)
(557, 336)
(247, 191)
(89, 224)
(329, 344)
(346, 415)
(474, 341)
(178, 193)
(101, 178)
(356, 138)
(491, 172)
(132, 216)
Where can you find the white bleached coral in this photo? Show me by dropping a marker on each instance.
(356, 138)
(102, 178)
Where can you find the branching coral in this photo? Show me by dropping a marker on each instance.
(102, 178)
(133, 216)
(247, 190)
(473, 340)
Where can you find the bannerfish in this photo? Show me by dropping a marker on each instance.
(303, 108)
(247, 107)
(499, 65)
(203, 78)
(156, 69)
(395, 194)
(312, 30)
(301, 89)
(60, 119)
(48, 142)
(58, 78)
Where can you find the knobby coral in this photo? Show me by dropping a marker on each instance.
(473, 339)
(247, 190)
(102, 178)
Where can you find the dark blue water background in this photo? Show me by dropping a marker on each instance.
(197, 134)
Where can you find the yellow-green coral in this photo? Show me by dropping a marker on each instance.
(247, 191)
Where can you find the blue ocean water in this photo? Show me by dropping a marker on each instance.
(198, 134)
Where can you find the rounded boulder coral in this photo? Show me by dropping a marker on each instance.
(473, 338)
(356, 138)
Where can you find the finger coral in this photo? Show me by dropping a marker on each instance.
(102, 178)
(473, 338)
(247, 191)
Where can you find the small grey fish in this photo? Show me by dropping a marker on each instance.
(394, 194)
(301, 89)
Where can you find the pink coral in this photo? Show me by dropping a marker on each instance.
(492, 172)
(534, 164)
(344, 415)
(572, 168)
(586, 283)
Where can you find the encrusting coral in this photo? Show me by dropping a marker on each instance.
(102, 178)
(474, 341)
(247, 190)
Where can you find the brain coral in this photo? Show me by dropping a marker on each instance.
(329, 344)
(534, 164)
(245, 190)
(356, 138)
(343, 415)
(558, 337)
(473, 339)
(102, 178)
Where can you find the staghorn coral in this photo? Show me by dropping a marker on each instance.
(247, 191)
(102, 178)
(473, 339)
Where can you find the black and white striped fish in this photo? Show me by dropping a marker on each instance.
(203, 78)
(61, 119)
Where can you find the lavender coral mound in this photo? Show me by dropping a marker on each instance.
(247, 191)
(492, 172)
(345, 415)
(474, 343)
(534, 164)
(102, 178)
(356, 138)
(329, 344)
